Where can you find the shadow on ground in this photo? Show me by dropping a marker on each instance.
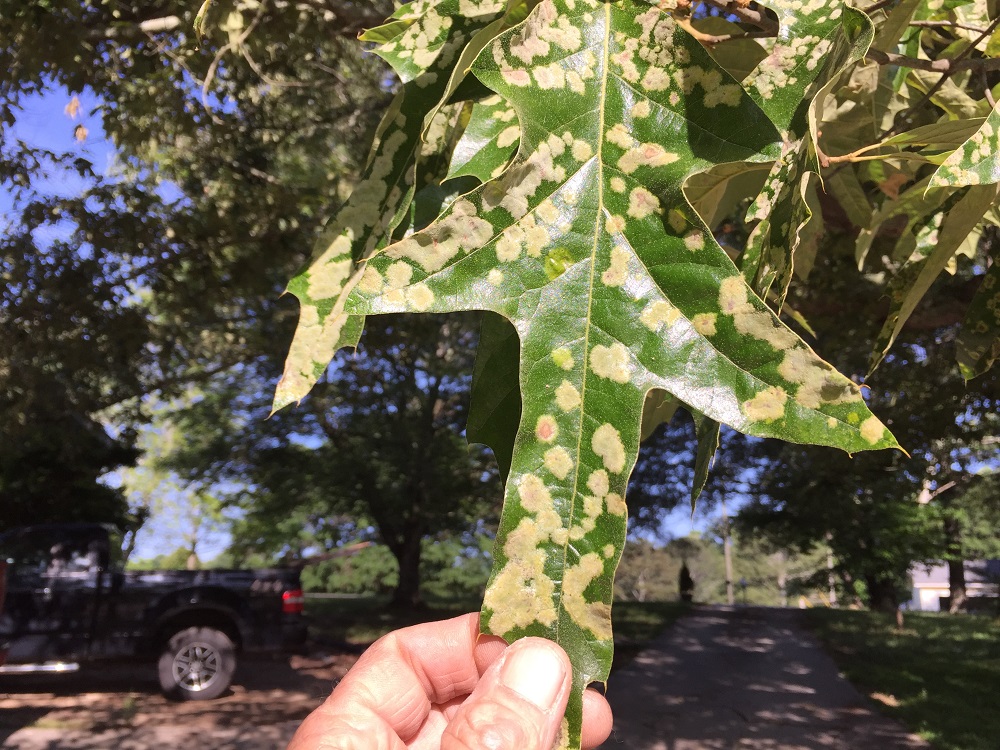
(90, 709)
(743, 679)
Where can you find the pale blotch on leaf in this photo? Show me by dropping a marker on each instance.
(646, 155)
(558, 462)
(766, 406)
(598, 483)
(546, 429)
(818, 382)
(607, 444)
(618, 270)
(618, 184)
(594, 617)
(563, 358)
(326, 280)
(398, 274)
(521, 593)
(658, 314)
(615, 224)
(616, 504)
(872, 430)
(495, 277)
(611, 362)
(642, 203)
(567, 396)
(420, 297)
(704, 323)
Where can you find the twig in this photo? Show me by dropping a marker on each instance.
(946, 25)
(711, 40)
(746, 14)
(903, 118)
(946, 66)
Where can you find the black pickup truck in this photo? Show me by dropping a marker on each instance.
(68, 603)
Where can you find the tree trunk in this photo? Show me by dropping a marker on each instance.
(881, 594)
(407, 554)
(956, 586)
(956, 565)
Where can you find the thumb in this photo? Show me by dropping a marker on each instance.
(518, 704)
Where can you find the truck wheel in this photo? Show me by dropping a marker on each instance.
(197, 664)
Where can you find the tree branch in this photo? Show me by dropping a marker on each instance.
(742, 10)
(946, 66)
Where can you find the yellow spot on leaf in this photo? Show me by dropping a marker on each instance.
(766, 406)
(420, 297)
(567, 396)
(594, 617)
(872, 430)
(563, 358)
(611, 362)
(598, 483)
(704, 324)
(558, 462)
(607, 444)
(616, 504)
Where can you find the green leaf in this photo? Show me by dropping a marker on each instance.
(975, 162)
(716, 193)
(424, 52)
(938, 240)
(489, 142)
(896, 23)
(978, 344)
(495, 410)
(707, 431)
(944, 134)
(739, 57)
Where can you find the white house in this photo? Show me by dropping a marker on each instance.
(930, 583)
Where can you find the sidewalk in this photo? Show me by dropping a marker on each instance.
(744, 679)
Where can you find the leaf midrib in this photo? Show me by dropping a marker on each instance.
(599, 156)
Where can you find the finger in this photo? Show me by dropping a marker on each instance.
(597, 719)
(398, 679)
(518, 704)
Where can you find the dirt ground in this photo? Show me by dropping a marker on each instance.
(119, 705)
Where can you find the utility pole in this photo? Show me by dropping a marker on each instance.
(728, 551)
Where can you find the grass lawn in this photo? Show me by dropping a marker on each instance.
(939, 675)
(359, 621)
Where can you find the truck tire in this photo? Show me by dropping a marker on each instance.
(197, 664)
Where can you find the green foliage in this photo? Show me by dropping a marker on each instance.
(449, 569)
(586, 243)
(936, 675)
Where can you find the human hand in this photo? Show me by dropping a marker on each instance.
(441, 686)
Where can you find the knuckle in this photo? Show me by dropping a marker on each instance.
(490, 726)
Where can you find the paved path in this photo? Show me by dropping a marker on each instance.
(744, 679)
(268, 737)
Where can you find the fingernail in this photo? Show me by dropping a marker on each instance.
(535, 672)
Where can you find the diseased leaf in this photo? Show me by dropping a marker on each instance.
(939, 238)
(978, 344)
(489, 142)
(814, 45)
(975, 162)
(615, 288)
(422, 43)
